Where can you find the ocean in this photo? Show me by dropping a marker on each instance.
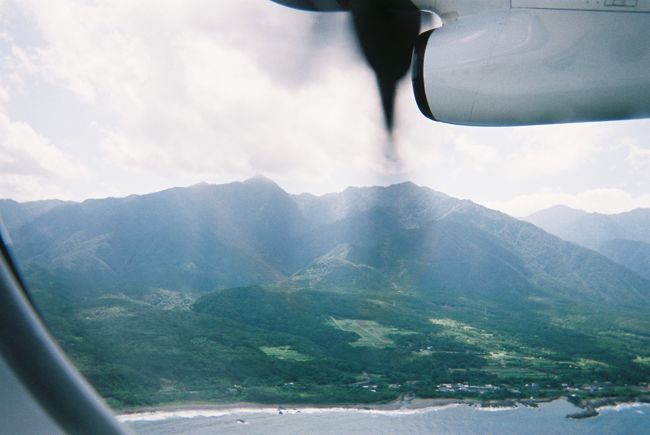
(548, 418)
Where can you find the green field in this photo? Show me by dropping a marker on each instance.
(260, 345)
(285, 353)
(370, 333)
(645, 360)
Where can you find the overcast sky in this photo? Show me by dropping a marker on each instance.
(108, 98)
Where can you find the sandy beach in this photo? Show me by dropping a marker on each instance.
(397, 407)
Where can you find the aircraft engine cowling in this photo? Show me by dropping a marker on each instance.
(523, 67)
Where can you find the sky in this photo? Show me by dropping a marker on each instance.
(113, 97)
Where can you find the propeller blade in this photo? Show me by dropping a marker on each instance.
(386, 31)
(315, 5)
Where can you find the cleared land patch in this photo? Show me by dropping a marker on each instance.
(642, 360)
(465, 333)
(105, 313)
(590, 363)
(371, 333)
(285, 353)
(512, 373)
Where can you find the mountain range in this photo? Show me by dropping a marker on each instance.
(623, 237)
(207, 237)
(245, 289)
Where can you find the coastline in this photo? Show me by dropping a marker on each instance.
(412, 406)
(587, 408)
(593, 407)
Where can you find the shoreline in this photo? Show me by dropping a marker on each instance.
(587, 408)
(593, 407)
(414, 406)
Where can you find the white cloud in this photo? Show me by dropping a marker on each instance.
(23, 151)
(638, 157)
(27, 187)
(88, 51)
(477, 155)
(29, 163)
(185, 96)
(182, 92)
(542, 151)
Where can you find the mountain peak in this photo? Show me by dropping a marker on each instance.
(260, 180)
(560, 210)
(405, 185)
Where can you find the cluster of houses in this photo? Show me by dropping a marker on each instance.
(466, 388)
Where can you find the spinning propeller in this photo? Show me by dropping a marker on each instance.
(386, 31)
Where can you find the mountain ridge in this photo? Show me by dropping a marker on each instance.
(243, 292)
(255, 233)
(622, 237)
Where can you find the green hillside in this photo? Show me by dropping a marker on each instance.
(242, 292)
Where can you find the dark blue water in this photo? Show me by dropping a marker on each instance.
(549, 418)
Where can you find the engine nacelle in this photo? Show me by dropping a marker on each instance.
(535, 66)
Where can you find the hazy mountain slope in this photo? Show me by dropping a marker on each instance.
(635, 224)
(556, 219)
(558, 266)
(453, 244)
(592, 229)
(623, 237)
(442, 259)
(206, 237)
(585, 229)
(412, 204)
(633, 255)
(198, 238)
(15, 214)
